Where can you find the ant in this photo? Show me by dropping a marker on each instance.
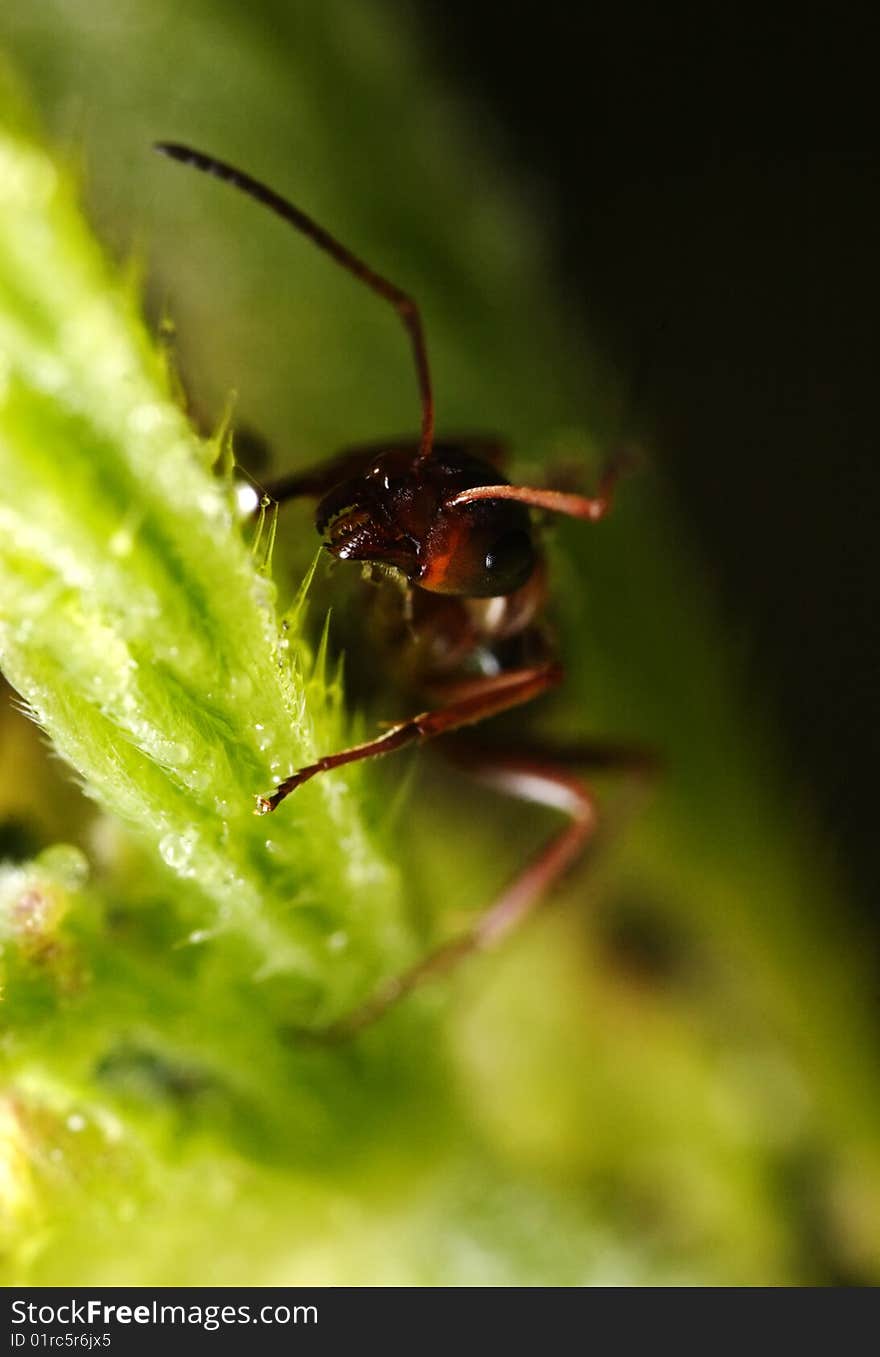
(438, 516)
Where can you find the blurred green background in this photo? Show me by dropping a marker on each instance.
(669, 1076)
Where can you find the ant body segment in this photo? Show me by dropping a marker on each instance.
(439, 514)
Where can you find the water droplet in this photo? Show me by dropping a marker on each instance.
(177, 850)
(211, 504)
(197, 779)
(67, 864)
(121, 542)
(171, 752)
(146, 418)
(242, 685)
(246, 499)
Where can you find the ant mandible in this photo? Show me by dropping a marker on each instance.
(439, 516)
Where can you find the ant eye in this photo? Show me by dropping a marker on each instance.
(508, 550)
(481, 551)
(510, 558)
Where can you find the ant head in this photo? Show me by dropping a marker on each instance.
(400, 513)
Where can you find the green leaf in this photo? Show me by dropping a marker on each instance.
(138, 625)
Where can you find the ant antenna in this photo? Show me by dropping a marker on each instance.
(403, 304)
(591, 507)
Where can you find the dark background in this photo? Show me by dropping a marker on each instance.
(716, 206)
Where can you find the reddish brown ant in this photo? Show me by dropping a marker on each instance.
(438, 515)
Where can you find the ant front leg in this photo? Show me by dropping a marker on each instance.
(478, 700)
(534, 778)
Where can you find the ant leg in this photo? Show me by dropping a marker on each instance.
(478, 700)
(313, 482)
(529, 777)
